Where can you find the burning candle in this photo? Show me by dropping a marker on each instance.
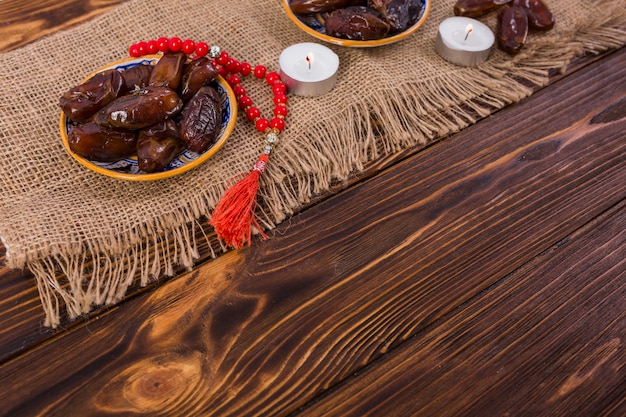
(308, 69)
(464, 41)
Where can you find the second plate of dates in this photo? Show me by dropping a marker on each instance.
(358, 23)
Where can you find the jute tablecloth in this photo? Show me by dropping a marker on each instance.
(58, 217)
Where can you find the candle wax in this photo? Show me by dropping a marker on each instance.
(464, 41)
(308, 69)
(316, 71)
(474, 40)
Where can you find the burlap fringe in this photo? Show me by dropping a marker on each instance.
(410, 115)
(75, 284)
(417, 114)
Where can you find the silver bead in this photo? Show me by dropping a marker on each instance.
(271, 138)
(215, 51)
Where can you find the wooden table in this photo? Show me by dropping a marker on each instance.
(483, 275)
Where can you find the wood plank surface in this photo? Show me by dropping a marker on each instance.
(362, 276)
(22, 22)
(483, 275)
(557, 324)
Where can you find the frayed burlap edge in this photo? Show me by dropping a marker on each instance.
(419, 113)
(413, 115)
(97, 279)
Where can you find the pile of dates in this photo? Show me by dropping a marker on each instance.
(362, 19)
(151, 111)
(515, 19)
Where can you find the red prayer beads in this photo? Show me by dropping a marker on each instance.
(174, 44)
(230, 67)
(232, 70)
(202, 48)
(233, 217)
(188, 47)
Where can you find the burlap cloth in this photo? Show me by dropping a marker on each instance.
(59, 219)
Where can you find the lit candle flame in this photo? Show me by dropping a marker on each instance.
(309, 59)
(468, 29)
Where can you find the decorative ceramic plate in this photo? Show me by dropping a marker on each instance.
(314, 26)
(127, 168)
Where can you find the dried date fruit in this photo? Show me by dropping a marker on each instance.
(356, 23)
(539, 15)
(143, 108)
(82, 101)
(101, 142)
(320, 6)
(158, 145)
(512, 29)
(140, 120)
(196, 74)
(201, 119)
(475, 8)
(514, 20)
(135, 77)
(168, 71)
(400, 14)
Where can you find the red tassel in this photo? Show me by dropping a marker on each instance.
(233, 217)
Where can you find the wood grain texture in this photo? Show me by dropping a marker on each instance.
(546, 340)
(355, 279)
(21, 317)
(21, 313)
(23, 22)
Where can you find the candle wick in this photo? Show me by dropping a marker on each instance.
(309, 61)
(467, 34)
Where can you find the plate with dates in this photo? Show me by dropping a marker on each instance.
(185, 160)
(315, 23)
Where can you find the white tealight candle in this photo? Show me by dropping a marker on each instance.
(308, 69)
(464, 41)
